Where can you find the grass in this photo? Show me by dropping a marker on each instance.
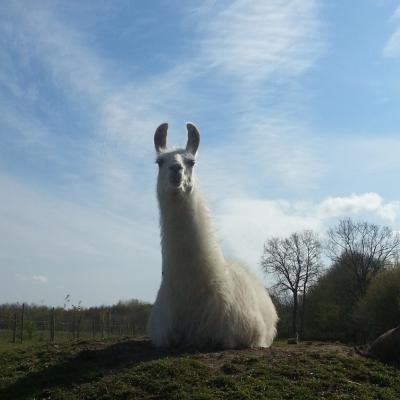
(132, 369)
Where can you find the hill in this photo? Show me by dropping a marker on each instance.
(132, 369)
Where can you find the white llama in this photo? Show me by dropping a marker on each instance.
(204, 300)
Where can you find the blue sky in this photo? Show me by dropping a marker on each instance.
(297, 103)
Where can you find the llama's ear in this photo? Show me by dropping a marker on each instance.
(160, 137)
(193, 138)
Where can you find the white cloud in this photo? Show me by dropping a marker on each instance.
(245, 223)
(396, 14)
(356, 204)
(40, 278)
(392, 46)
(35, 278)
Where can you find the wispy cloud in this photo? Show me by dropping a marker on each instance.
(34, 278)
(392, 46)
(252, 41)
(40, 278)
(257, 49)
(114, 118)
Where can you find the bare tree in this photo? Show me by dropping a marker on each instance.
(295, 263)
(310, 252)
(364, 248)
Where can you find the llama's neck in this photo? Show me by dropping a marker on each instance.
(188, 239)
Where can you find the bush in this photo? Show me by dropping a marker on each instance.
(330, 306)
(379, 310)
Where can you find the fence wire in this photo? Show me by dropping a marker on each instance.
(23, 324)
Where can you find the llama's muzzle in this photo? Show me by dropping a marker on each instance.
(176, 174)
(175, 180)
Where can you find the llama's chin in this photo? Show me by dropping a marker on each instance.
(180, 189)
(175, 188)
(180, 186)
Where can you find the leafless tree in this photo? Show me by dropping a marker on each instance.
(295, 263)
(310, 258)
(364, 248)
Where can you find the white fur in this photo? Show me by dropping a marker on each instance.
(204, 299)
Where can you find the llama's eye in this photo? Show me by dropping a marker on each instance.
(159, 161)
(190, 162)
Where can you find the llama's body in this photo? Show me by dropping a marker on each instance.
(204, 299)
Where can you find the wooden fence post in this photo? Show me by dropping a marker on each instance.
(73, 324)
(109, 323)
(133, 329)
(78, 326)
(22, 321)
(52, 325)
(14, 328)
(50, 328)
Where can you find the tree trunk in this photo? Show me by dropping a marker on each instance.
(294, 316)
(303, 309)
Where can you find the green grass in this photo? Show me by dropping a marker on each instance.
(132, 369)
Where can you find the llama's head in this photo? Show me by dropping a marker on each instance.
(175, 173)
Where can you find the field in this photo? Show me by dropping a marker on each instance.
(132, 369)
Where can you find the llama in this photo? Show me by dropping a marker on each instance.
(204, 300)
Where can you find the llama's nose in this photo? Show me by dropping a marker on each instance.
(176, 168)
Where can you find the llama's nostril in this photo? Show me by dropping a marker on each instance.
(176, 167)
